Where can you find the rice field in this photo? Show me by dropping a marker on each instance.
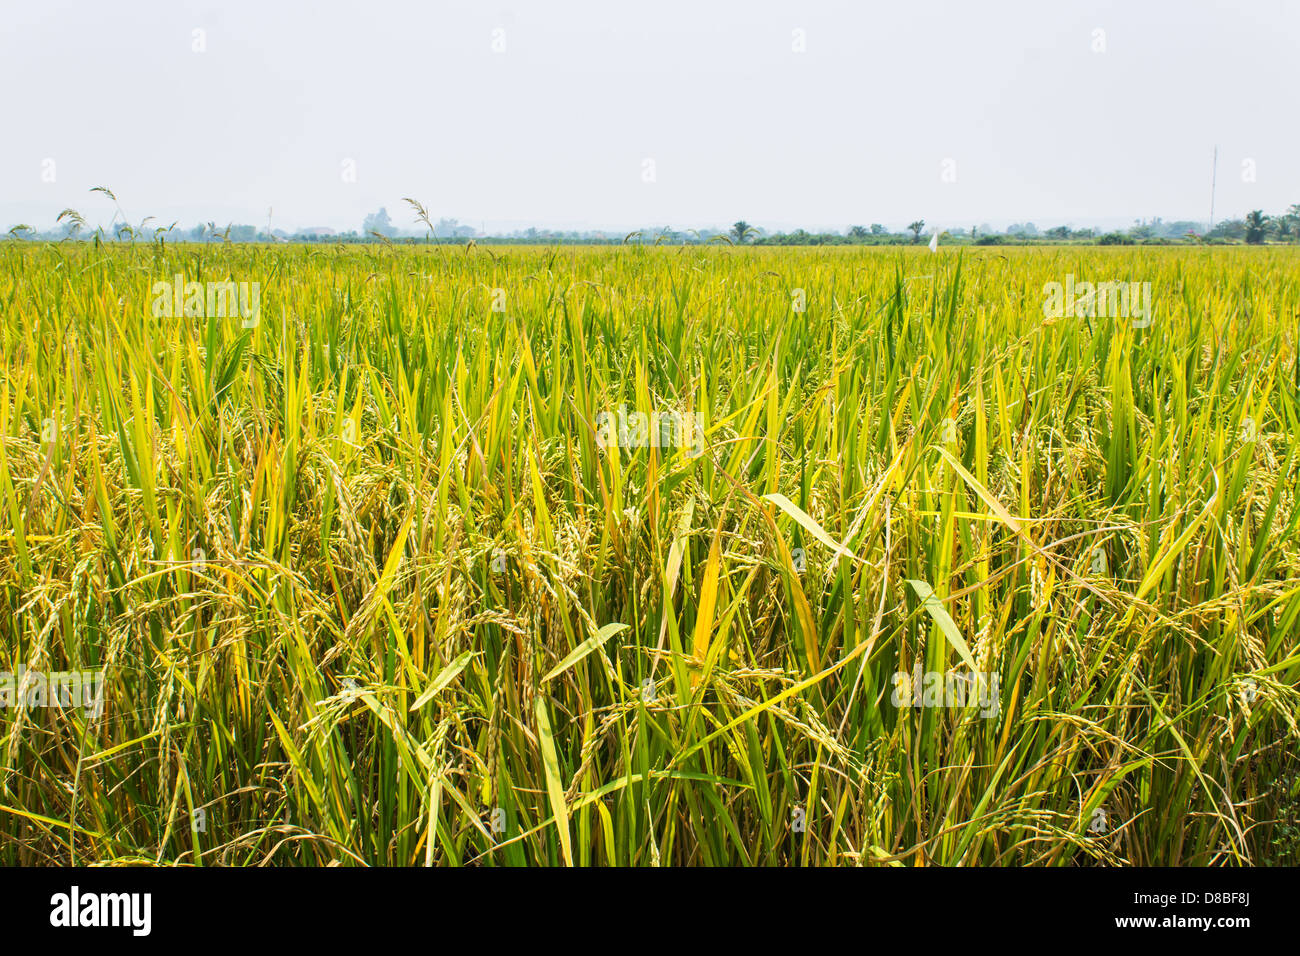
(639, 556)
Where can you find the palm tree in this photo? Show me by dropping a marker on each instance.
(916, 228)
(1255, 224)
(741, 231)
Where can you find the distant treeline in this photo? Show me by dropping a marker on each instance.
(1255, 229)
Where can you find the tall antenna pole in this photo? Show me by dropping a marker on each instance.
(1213, 179)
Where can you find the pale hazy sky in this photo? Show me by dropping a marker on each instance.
(555, 129)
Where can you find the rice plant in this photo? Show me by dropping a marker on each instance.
(405, 567)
